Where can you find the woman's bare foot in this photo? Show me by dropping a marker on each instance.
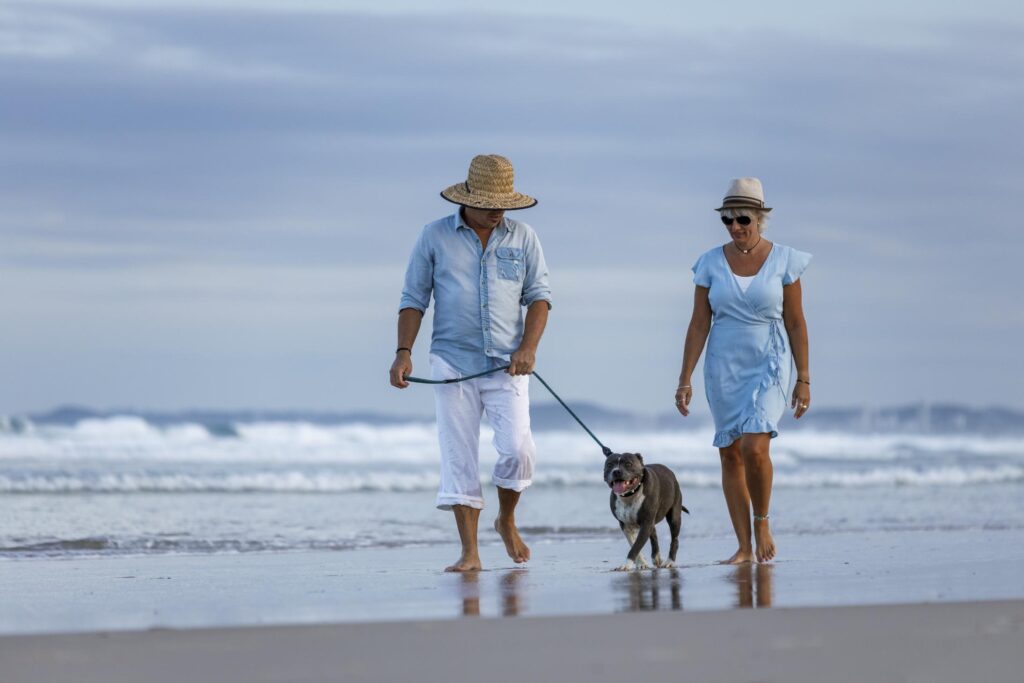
(514, 545)
(741, 556)
(466, 563)
(763, 539)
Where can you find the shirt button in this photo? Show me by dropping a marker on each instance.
(483, 305)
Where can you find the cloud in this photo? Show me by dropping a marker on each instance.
(43, 34)
(175, 144)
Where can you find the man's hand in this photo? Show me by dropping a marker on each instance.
(400, 369)
(522, 361)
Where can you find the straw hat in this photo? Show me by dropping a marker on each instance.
(489, 186)
(744, 193)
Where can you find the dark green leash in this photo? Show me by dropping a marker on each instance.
(604, 449)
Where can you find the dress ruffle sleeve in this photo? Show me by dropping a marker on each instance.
(796, 265)
(701, 274)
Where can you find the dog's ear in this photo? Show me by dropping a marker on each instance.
(640, 458)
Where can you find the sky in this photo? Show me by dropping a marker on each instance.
(211, 204)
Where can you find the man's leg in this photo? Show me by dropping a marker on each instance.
(467, 519)
(505, 525)
(458, 428)
(507, 404)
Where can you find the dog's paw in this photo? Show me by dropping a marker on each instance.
(641, 563)
(667, 564)
(657, 560)
(628, 567)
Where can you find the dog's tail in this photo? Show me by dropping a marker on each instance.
(684, 509)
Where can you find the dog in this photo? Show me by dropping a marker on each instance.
(641, 497)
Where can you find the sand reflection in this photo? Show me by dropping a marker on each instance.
(647, 591)
(508, 589)
(469, 586)
(753, 584)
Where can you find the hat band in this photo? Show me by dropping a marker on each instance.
(738, 198)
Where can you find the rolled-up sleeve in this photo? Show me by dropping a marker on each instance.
(535, 283)
(419, 275)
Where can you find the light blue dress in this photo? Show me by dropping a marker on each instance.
(748, 364)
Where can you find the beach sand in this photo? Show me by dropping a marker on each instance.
(841, 609)
(934, 643)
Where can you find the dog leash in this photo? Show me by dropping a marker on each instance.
(418, 380)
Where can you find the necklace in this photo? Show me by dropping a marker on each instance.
(747, 251)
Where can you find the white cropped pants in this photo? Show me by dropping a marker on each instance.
(505, 399)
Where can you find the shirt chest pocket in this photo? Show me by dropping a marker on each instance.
(510, 263)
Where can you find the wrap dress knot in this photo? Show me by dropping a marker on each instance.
(748, 367)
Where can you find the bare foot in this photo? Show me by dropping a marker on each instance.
(764, 540)
(741, 556)
(466, 563)
(514, 545)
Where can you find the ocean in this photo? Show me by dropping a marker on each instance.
(128, 484)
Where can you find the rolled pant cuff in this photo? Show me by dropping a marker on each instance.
(445, 501)
(513, 484)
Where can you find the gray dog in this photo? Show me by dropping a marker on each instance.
(642, 497)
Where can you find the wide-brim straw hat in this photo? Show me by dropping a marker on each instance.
(744, 193)
(488, 186)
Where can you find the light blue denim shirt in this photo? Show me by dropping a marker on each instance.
(478, 295)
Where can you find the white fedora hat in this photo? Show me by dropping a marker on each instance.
(489, 186)
(744, 193)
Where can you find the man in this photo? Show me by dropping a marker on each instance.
(482, 269)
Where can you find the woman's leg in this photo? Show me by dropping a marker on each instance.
(758, 466)
(734, 485)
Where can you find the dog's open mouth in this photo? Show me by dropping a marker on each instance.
(624, 486)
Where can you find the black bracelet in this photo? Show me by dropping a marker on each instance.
(403, 348)
(803, 381)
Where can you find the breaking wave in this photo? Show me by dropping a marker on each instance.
(295, 481)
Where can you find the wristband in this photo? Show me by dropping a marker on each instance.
(804, 381)
(403, 348)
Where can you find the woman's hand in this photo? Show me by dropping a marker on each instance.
(801, 399)
(683, 395)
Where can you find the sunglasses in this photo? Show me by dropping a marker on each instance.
(742, 220)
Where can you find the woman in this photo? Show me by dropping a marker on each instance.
(750, 290)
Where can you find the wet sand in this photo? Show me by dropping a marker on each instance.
(563, 579)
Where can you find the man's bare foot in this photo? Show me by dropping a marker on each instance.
(466, 563)
(514, 545)
(764, 540)
(741, 556)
